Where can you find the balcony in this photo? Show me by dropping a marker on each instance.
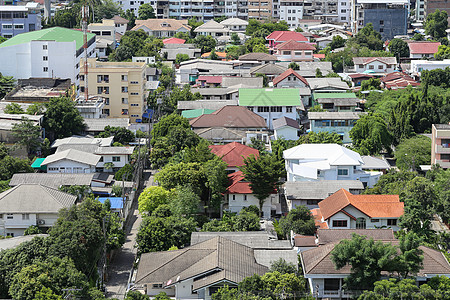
(442, 149)
(443, 163)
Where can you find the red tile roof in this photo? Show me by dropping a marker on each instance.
(374, 206)
(219, 54)
(233, 153)
(305, 241)
(173, 40)
(210, 79)
(423, 47)
(286, 73)
(293, 45)
(237, 185)
(283, 36)
(397, 80)
(358, 75)
(318, 219)
(319, 56)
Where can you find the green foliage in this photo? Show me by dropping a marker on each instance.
(165, 125)
(152, 197)
(256, 44)
(2, 39)
(185, 202)
(135, 295)
(33, 229)
(437, 77)
(370, 135)
(173, 175)
(62, 119)
(124, 173)
(245, 221)
(436, 23)
(337, 42)
(413, 152)
(392, 183)
(11, 165)
(258, 145)
(283, 267)
(137, 43)
(4, 185)
(36, 109)
(7, 83)
(106, 9)
(265, 79)
(369, 37)
(13, 108)
(145, 12)
(181, 57)
(443, 53)
(251, 209)
(399, 48)
(130, 16)
(316, 108)
(267, 27)
(205, 43)
(371, 84)
(235, 40)
(299, 220)
(233, 52)
(294, 66)
(216, 180)
(81, 191)
(121, 135)
(320, 138)
(194, 23)
(418, 37)
(27, 134)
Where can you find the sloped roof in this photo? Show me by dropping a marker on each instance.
(366, 60)
(73, 155)
(259, 56)
(293, 45)
(335, 115)
(219, 54)
(397, 80)
(173, 40)
(332, 82)
(210, 79)
(423, 47)
(234, 21)
(285, 121)
(374, 206)
(34, 198)
(120, 20)
(230, 117)
(333, 95)
(51, 180)
(230, 81)
(205, 104)
(100, 124)
(194, 113)
(270, 97)
(237, 185)
(283, 36)
(162, 24)
(217, 259)
(318, 190)
(268, 69)
(326, 236)
(211, 26)
(105, 142)
(233, 153)
(286, 73)
(128, 150)
(333, 154)
(374, 163)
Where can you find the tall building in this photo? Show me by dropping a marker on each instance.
(121, 84)
(440, 145)
(325, 10)
(19, 19)
(430, 6)
(291, 11)
(420, 10)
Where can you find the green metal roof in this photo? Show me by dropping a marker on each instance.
(269, 97)
(37, 164)
(334, 95)
(57, 34)
(194, 113)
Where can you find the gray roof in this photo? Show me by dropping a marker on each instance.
(215, 91)
(73, 155)
(339, 101)
(268, 257)
(257, 56)
(228, 81)
(11, 243)
(221, 134)
(268, 69)
(318, 189)
(253, 239)
(205, 104)
(374, 163)
(114, 150)
(234, 21)
(326, 236)
(211, 26)
(365, 60)
(51, 180)
(34, 198)
(100, 124)
(442, 126)
(216, 260)
(172, 53)
(285, 121)
(105, 142)
(324, 66)
(332, 83)
(89, 148)
(8, 121)
(335, 115)
(305, 91)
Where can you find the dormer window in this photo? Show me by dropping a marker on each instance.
(164, 24)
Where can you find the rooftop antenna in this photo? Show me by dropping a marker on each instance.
(84, 20)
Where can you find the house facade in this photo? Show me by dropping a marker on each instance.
(279, 37)
(440, 145)
(375, 64)
(162, 27)
(285, 128)
(114, 158)
(295, 51)
(340, 122)
(17, 19)
(423, 50)
(71, 161)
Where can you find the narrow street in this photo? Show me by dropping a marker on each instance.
(122, 264)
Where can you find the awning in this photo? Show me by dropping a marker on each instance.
(138, 120)
(37, 164)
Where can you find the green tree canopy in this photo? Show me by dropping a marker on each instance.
(205, 43)
(152, 197)
(436, 23)
(27, 134)
(145, 12)
(337, 42)
(370, 135)
(369, 37)
(413, 152)
(13, 108)
(36, 109)
(7, 83)
(184, 202)
(399, 48)
(181, 57)
(62, 119)
(163, 127)
(299, 220)
(121, 135)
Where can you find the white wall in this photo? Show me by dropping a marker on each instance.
(291, 82)
(239, 203)
(376, 64)
(286, 132)
(17, 224)
(69, 165)
(291, 14)
(184, 290)
(124, 159)
(270, 116)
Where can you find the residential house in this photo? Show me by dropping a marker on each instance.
(97, 126)
(308, 69)
(421, 50)
(40, 90)
(209, 81)
(272, 104)
(48, 53)
(170, 51)
(279, 37)
(213, 29)
(233, 154)
(338, 104)
(113, 158)
(17, 19)
(440, 145)
(336, 96)
(7, 122)
(121, 84)
(83, 140)
(232, 81)
(290, 79)
(174, 40)
(121, 26)
(316, 162)
(235, 24)
(286, 128)
(196, 271)
(327, 85)
(218, 93)
(358, 78)
(345, 210)
(204, 104)
(31, 204)
(269, 69)
(375, 65)
(52, 180)
(310, 193)
(293, 51)
(324, 41)
(398, 80)
(105, 36)
(340, 122)
(254, 59)
(162, 27)
(71, 161)
(239, 195)
(194, 113)
(189, 71)
(417, 66)
(372, 163)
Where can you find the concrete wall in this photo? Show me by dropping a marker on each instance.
(375, 66)
(394, 21)
(18, 224)
(286, 132)
(69, 166)
(291, 14)
(239, 203)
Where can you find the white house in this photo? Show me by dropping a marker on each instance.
(120, 24)
(31, 204)
(71, 161)
(371, 65)
(421, 50)
(48, 53)
(235, 24)
(213, 29)
(312, 162)
(417, 66)
(286, 128)
(118, 156)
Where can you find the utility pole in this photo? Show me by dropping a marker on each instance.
(85, 16)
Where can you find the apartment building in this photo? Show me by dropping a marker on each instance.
(440, 145)
(430, 6)
(324, 10)
(261, 9)
(19, 19)
(121, 84)
(291, 11)
(420, 10)
(344, 12)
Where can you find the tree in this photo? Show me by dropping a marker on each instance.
(33, 229)
(121, 135)
(2, 39)
(399, 48)
(146, 12)
(320, 138)
(246, 221)
(105, 9)
(370, 135)
(205, 43)
(337, 42)
(392, 183)
(135, 295)
(173, 175)
(294, 66)
(371, 84)
(7, 83)
(443, 52)
(163, 127)
(13, 108)
(185, 202)
(124, 173)
(181, 57)
(152, 197)
(413, 152)
(216, 180)
(27, 134)
(316, 108)
(130, 16)
(263, 173)
(235, 40)
(283, 267)
(265, 79)
(369, 37)
(62, 119)
(436, 23)
(11, 165)
(36, 109)
(299, 220)
(213, 55)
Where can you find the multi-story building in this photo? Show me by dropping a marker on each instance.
(48, 53)
(420, 10)
(260, 9)
(430, 6)
(291, 11)
(324, 10)
(440, 145)
(19, 19)
(106, 36)
(344, 11)
(121, 84)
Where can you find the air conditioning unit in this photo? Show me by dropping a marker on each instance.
(41, 222)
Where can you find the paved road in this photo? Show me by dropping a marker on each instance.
(122, 263)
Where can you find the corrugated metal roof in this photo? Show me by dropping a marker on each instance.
(270, 97)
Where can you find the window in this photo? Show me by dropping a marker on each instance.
(53, 169)
(44, 58)
(134, 94)
(18, 26)
(288, 109)
(343, 3)
(124, 89)
(157, 286)
(25, 216)
(124, 100)
(263, 108)
(276, 109)
(10, 234)
(135, 116)
(9, 216)
(371, 67)
(134, 104)
(381, 29)
(381, 22)
(116, 158)
(82, 77)
(245, 197)
(361, 223)
(392, 222)
(124, 77)
(360, 66)
(339, 223)
(107, 101)
(298, 53)
(7, 26)
(134, 82)
(45, 69)
(343, 18)
(286, 52)
(233, 198)
(332, 284)
(311, 202)
(342, 172)
(44, 47)
(374, 220)
(1, 216)
(101, 159)
(106, 32)
(380, 67)
(343, 11)
(124, 112)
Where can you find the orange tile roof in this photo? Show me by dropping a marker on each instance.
(219, 54)
(233, 153)
(318, 218)
(293, 45)
(374, 206)
(237, 185)
(286, 74)
(173, 40)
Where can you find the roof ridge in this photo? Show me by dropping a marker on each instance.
(44, 187)
(448, 264)
(182, 251)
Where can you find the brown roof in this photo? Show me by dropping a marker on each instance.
(286, 74)
(423, 47)
(158, 24)
(260, 56)
(230, 117)
(293, 45)
(304, 240)
(327, 236)
(233, 153)
(374, 206)
(120, 20)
